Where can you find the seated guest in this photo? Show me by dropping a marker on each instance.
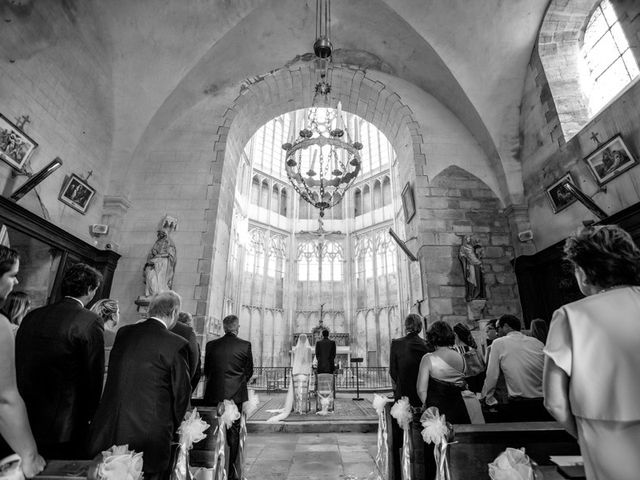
(539, 329)
(14, 424)
(14, 309)
(60, 365)
(520, 359)
(185, 330)
(404, 362)
(591, 383)
(147, 391)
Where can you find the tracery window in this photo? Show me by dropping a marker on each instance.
(320, 274)
(254, 267)
(609, 60)
(376, 279)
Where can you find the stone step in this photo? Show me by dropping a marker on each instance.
(341, 426)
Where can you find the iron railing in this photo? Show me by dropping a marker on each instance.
(278, 378)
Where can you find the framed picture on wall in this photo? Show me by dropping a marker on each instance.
(559, 196)
(408, 204)
(77, 193)
(15, 145)
(610, 160)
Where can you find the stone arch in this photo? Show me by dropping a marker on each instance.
(264, 98)
(559, 51)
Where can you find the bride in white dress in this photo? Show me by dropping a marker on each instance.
(301, 361)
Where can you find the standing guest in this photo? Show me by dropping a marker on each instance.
(539, 330)
(14, 309)
(441, 382)
(520, 358)
(474, 362)
(109, 311)
(60, 365)
(404, 362)
(593, 354)
(325, 353)
(185, 330)
(228, 366)
(14, 423)
(147, 391)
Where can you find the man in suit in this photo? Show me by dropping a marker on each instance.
(60, 366)
(404, 364)
(325, 353)
(147, 392)
(185, 330)
(228, 366)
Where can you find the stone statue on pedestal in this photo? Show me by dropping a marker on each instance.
(470, 256)
(160, 266)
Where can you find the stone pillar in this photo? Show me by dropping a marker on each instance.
(114, 209)
(518, 217)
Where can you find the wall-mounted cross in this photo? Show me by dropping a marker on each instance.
(22, 120)
(594, 137)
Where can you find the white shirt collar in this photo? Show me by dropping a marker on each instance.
(74, 298)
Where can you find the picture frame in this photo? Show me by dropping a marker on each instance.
(76, 193)
(559, 196)
(15, 146)
(610, 159)
(408, 203)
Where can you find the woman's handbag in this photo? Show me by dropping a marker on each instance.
(473, 363)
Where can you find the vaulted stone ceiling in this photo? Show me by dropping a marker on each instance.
(165, 57)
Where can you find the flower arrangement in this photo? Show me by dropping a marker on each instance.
(191, 431)
(439, 432)
(381, 461)
(401, 411)
(117, 463)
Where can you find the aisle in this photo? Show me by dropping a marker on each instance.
(325, 456)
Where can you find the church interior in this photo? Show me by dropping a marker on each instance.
(166, 131)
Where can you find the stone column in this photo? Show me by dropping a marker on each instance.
(114, 209)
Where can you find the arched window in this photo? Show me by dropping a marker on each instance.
(283, 202)
(275, 197)
(357, 203)
(264, 195)
(386, 191)
(377, 194)
(366, 199)
(610, 63)
(255, 191)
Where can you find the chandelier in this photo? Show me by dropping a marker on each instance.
(323, 159)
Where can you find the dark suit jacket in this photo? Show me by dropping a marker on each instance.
(146, 395)
(186, 332)
(326, 355)
(228, 366)
(60, 369)
(404, 363)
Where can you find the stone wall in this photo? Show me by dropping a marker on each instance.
(548, 153)
(452, 205)
(54, 69)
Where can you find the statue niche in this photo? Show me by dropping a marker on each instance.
(160, 266)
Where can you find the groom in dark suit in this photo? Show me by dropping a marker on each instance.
(147, 391)
(325, 353)
(228, 366)
(60, 366)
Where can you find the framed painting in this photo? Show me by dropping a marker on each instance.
(408, 204)
(15, 145)
(610, 159)
(77, 193)
(559, 196)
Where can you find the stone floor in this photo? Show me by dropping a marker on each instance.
(310, 456)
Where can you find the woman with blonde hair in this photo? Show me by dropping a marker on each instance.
(109, 311)
(592, 353)
(15, 308)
